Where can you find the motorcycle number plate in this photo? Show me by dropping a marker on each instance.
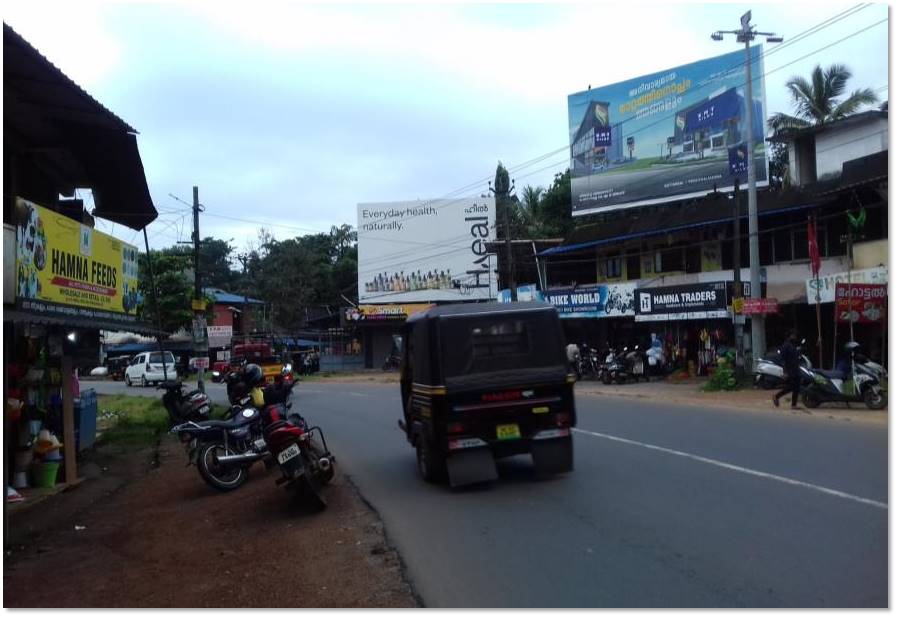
(289, 453)
(507, 431)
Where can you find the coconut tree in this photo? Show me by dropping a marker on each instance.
(818, 100)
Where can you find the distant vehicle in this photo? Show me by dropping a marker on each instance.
(486, 381)
(100, 371)
(116, 366)
(146, 368)
(262, 354)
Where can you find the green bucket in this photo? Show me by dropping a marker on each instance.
(45, 474)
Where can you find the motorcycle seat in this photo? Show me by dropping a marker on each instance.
(235, 422)
(832, 374)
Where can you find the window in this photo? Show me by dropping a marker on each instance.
(612, 268)
(633, 267)
(801, 248)
(156, 358)
(672, 260)
(782, 245)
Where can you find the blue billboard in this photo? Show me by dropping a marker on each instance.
(610, 300)
(679, 128)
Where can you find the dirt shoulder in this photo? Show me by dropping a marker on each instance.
(748, 399)
(156, 536)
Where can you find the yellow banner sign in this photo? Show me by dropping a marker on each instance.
(61, 262)
(385, 312)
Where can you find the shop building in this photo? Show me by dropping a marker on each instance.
(64, 281)
(689, 243)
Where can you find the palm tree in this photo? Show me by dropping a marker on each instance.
(532, 197)
(816, 100)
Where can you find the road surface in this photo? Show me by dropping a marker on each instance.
(669, 506)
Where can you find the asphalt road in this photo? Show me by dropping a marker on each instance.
(669, 506)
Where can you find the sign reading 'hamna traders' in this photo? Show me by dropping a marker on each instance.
(699, 301)
(61, 262)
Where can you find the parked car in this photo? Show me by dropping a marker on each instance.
(146, 368)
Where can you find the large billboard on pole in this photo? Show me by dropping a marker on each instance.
(426, 251)
(669, 135)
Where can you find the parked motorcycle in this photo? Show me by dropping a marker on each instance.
(635, 364)
(306, 465)
(770, 372)
(183, 407)
(864, 382)
(238, 436)
(392, 362)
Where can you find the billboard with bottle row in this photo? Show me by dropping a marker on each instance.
(670, 135)
(426, 251)
(64, 267)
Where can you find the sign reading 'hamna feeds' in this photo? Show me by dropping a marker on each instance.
(65, 267)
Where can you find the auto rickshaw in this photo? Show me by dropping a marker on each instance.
(485, 381)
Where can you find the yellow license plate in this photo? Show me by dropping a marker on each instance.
(507, 431)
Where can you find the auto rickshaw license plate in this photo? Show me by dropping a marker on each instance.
(507, 431)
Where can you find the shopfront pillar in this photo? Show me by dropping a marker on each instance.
(68, 421)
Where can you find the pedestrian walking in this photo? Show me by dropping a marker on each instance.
(791, 364)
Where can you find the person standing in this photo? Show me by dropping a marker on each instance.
(791, 364)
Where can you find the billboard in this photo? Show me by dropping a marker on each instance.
(67, 268)
(860, 303)
(669, 135)
(612, 300)
(384, 312)
(426, 251)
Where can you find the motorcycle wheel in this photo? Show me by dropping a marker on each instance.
(308, 486)
(606, 378)
(216, 477)
(809, 400)
(765, 382)
(873, 400)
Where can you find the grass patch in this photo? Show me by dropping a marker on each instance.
(130, 420)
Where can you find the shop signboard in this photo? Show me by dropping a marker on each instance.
(384, 312)
(426, 251)
(759, 306)
(69, 269)
(677, 302)
(860, 303)
(697, 110)
(525, 293)
(614, 300)
(220, 336)
(826, 284)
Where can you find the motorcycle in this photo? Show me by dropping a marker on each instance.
(305, 464)
(770, 369)
(182, 407)
(862, 383)
(617, 367)
(635, 364)
(238, 436)
(392, 362)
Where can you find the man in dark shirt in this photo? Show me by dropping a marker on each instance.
(791, 364)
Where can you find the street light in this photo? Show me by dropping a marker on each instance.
(745, 35)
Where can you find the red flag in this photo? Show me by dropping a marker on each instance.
(813, 247)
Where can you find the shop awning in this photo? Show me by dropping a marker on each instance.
(68, 139)
(73, 321)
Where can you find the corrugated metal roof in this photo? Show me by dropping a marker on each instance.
(225, 297)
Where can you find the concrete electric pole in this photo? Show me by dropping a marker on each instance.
(745, 35)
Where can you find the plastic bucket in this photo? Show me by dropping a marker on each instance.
(45, 474)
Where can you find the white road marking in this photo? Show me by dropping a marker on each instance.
(745, 470)
(357, 394)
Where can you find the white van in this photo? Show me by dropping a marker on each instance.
(146, 368)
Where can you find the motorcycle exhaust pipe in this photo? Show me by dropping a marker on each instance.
(238, 460)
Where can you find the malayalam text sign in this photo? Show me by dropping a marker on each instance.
(681, 129)
(860, 303)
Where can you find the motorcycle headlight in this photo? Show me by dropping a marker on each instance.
(216, 374)
(287, 368)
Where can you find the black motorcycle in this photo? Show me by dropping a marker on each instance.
(184, 407)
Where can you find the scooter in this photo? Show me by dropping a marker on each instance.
(863, 383)
(770, 369)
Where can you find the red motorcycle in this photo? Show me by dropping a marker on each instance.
(306, 464)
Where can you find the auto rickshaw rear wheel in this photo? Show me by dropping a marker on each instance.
(430, 464)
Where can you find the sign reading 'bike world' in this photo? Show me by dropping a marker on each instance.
(66, 268)
(699, 301)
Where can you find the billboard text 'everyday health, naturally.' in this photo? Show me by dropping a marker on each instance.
(665, 136)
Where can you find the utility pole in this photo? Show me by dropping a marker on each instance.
(745, 35)
(200, 339)
(736, 276)
(502, 192)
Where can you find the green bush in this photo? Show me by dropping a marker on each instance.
(723, 377)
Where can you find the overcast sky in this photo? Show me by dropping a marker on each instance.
(290, 114)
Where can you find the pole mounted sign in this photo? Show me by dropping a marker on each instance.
(760, 306)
